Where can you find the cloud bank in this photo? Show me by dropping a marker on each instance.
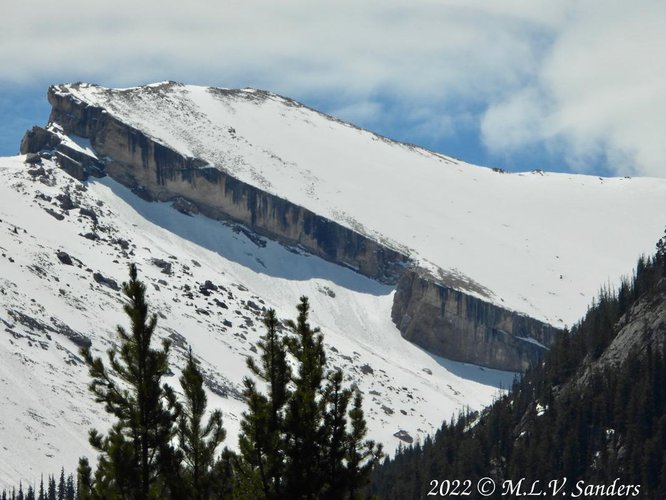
(582, 80)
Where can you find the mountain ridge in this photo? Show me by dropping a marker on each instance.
(239, 154)
(64, 252)
(79, 207)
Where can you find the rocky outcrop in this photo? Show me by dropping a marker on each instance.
(159, 173)
(641, 329)
(439, 318)
(458, 326)
(77, 164)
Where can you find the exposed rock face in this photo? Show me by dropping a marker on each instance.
(37, 139)
(641, 328)
(442, 320)
(160, 173)
(75, 163)
(461, 327)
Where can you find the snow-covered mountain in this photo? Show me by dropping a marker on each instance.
(65, 245)
(487, 265)
(537, 243)
(256, 200)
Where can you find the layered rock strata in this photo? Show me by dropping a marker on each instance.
(439, 318)
(462, 327)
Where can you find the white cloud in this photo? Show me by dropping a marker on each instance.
(360, 112)
(417, 49)
(552, 72)
(515, 121)
(601, 91)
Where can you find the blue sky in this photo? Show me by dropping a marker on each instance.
(555, 85)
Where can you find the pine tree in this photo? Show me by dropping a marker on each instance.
(362, 455)
(52, 488)
(61, 485)
(294, 440)
(84, 480)
(661, 253)
(42, 493)
(335, 442)
(70, 490)
(304, 473)
(30, 494)
(261, 440)
(136, 452)
(197, 442)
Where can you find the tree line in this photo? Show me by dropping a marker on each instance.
(550, 426)
(63, 489)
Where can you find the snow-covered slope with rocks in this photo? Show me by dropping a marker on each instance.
(537, 243)
(65, 247)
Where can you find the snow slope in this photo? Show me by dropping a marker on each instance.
(45, 408)
(537, 243)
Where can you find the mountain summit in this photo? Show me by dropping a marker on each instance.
(522, 254)
(232, 202)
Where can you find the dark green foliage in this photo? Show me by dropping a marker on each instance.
(299, 440)
(551, 424)
(52, 488)
(70, 489)
(84, 479)
(65, 487)
(661, 254)
(61, 485)
(261, 441)
(336, 447)
(198, 441)
(305, 438)
(361, 455)
(304, 411)
(157, 447)
(135, 454)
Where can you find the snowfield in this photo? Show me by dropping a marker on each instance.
(538, 243)
(47, 307)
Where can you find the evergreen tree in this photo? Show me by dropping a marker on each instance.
(61, 485)
(362, 455)
(30, 494)
(661, 253)
(335, 442)
(294, 440)
(42, 493)
(84, 480)
(135, 454)
(70, 490)
(198, 441)
(52, 488)
(304, 473)
(608, 424)
(261, 440)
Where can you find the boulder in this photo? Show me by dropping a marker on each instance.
(107, 282)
